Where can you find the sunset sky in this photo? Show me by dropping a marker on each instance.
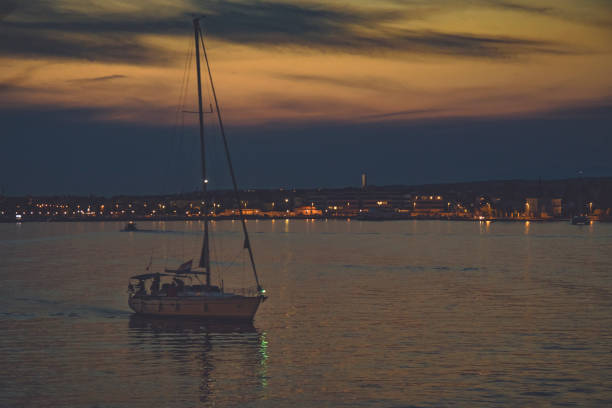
(312, 93)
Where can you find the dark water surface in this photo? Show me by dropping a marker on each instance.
(390, 314)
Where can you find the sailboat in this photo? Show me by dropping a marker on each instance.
(147, 295)
(582, 217)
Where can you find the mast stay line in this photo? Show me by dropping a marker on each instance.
(247, 243)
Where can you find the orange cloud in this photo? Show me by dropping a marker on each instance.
(307, 62)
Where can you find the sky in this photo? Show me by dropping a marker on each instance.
(92, 92)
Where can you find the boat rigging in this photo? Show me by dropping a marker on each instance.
(177, 298)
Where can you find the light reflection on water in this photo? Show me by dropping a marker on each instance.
(408, 313)
(209, 354)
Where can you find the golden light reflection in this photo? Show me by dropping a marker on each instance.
(263, 352)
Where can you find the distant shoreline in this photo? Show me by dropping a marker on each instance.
(496, 201)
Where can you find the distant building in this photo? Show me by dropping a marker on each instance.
(556, 205)
(353, 198)
(532, 207)
(428, 206)
(235, 213)
(308, 211)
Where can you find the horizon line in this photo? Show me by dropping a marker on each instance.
(294, 189)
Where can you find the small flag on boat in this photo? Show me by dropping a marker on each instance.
(185, 267)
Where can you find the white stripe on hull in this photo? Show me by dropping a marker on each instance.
(238, 307)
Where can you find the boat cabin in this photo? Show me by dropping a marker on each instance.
(169, 285)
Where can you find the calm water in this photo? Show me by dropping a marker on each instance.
(390, 314)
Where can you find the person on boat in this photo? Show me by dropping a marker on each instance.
(155, 284)
(180, 285)
(141, 287)
(171, 291)
(165, 288)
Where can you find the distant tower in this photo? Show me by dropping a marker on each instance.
(364, 181)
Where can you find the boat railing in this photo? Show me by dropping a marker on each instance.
(250, 291)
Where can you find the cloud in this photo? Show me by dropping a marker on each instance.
(581, 16)
(356, 30)
(467, 45)
(600, 108)
(523, 7)
(7, 7)
(48, 30)
(17, 82)
(588, 12)
(99, 79)
(368, 83)
(404, 114)
(52, 43)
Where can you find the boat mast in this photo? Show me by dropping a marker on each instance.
(247, 242)
(205, 256)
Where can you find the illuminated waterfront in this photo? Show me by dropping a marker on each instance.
(418, 313)
(497, 199)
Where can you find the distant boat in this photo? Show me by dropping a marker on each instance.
(179, 292)
(130, 226)
(580, 220)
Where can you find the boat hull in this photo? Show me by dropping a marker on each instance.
(222, 308)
